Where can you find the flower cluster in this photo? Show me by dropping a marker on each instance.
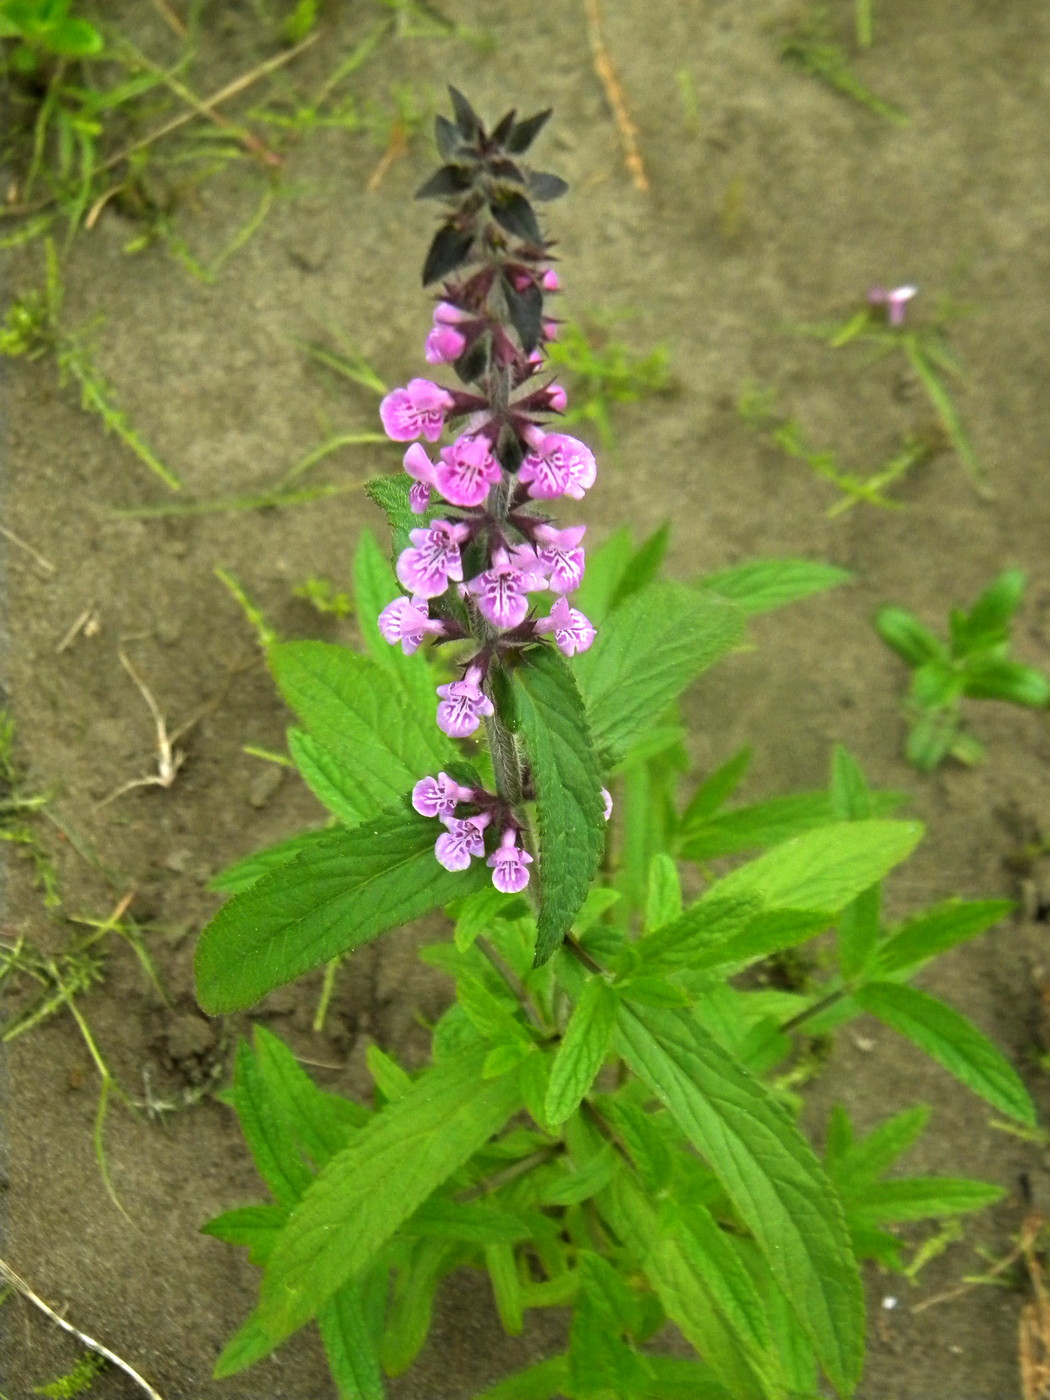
(485, 544)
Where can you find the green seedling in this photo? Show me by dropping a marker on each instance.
(925, 350)
(604, 371)
(76, 1381)
(43, 30)
(974, 664)
(321, 594)
(812, 46)
(757, 407)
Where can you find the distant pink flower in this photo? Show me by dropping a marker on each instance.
(550, 281)
(444, 344)
(894, 299)
(433, 558)
(407, 621)
(502, 590)
(572, 631)
(439, 797)
(462, 841)
(463, 705)
(415, 411)
(466, 471)
(560, 556)
(607, 800)
(558, 465)
(509, 861)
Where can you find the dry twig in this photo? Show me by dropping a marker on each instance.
(616, 97)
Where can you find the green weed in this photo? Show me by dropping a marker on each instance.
(605, 371)
(812, 46)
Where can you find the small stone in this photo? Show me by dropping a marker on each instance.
(264, 785)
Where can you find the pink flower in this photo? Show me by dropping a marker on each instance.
(421, 469)
(444, 344)
(447, 314)
(466, 471)
(550, 281)
(556, 398)
(440, 796)
(502, 590)
(572, 631)
(894, 299)
(559, 554)
(463, 705)
(462, 841)
(558, 465)
(408, 621)
(433, 559)
(606, 799)
(416, 411)
(509, 861)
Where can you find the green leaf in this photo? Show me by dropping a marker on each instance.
(582, 1050)
(935, 930)
(638, 1131)
(568, 1184)
(568, 791)
(244, 873)
(321, 1123)
(537, 1382)
(767, 1170)
(645, 655)
(854, 1165)
(764, 584)
(393, 1164)
(987, 624)
(995, 678)
(506, 1286)
(643, 565)
(390, 494)
(766, 823)
(412, 1308)
(709, 923)
(606, 566)
(908, 637)
(821, 871)
(341, 892)
(664, 895)
(329, 778)
(352, 707)
(468, 1222)
(919, 1198)
(255, 1227)
(716, 789)
(348, 1346)
(375, 585)
(951, 1040)
(267, 1132)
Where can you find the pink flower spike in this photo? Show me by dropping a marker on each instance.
(466, 471)
(461, 842)
(433, 559)
(444, 344)
(502, 591)
(895, 300)
(415, 411)
(559, 465)
(439, 797)
(509, 861)
(560, 555)
(463, 705)
(607, 800)
(407, 621)
(572, 631)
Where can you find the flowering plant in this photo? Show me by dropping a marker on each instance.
(594, 1130)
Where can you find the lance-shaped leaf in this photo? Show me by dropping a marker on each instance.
(348, 1347)
(951, 1040)
(582, 1051)
(390, 1168)
(244, 873)
(449, 249)
(935, 930)
(568, 791)
(360, 716)
(764, 584)
(330, 778)
(340, 892)
(767, 1170)
(647, 651)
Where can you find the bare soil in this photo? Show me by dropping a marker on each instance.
(779, 202)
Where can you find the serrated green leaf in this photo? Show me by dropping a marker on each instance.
(582, 1050)
(935, 930)
(391, 1080)
(360, 716)
(321, 1123)
(390, 494)
(643, 565)
(469, 1222)
(506, 1286)
(394, 1163)
(709, 923)
(646, 653)
(476, 914)
(493, 1016)
(715, 790)
(375, 585)
(537, 1382)
(919, 1198)
(256, 1228)
(568, 791)
(764, 584)
(568, 1184)
(953, 1041)
(348, 1346)
(266, 1131)
(329, 778)
(767, 1170)
(412, 1306)
(243, 873)
(855, 1164)
(339, 893)
(606, 566)
(766, 823)
(664, 895)
(642, 1138)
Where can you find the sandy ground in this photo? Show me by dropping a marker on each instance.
(774, 201)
